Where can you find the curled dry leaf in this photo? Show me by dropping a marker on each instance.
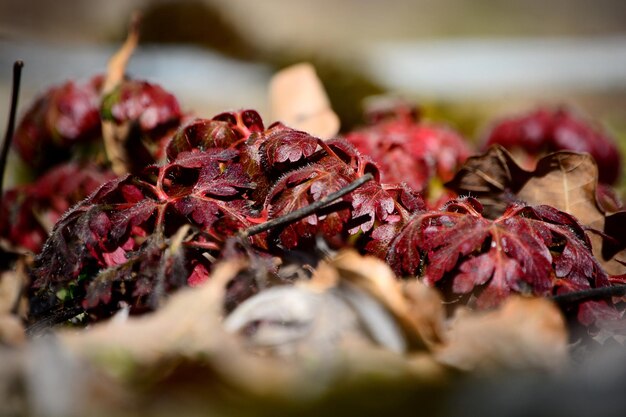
(298, 99)
(11, 330)
(417, 308)
(523, 334)
(131, 109)
(113, 135)
(315, 320)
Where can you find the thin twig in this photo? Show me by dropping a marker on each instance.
(594, 293)
(305, 211)
(8, 137)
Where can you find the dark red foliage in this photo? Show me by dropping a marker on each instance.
(547, 130)
(201, 134)
(301, 188)
(151, 113)
(410, 151)
(282, 144)
(69, 116)
(117, 245)
(141, 102)
(28, 212)
(63, 116)
(244, 122)
(121, 234)
(536, 251)
(331, 168)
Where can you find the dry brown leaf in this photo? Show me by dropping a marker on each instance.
(113, 135)
(491, 177)
(10, 289)
(417, 308)
(12, 305)
(568, 181)
(11, 331)
(426, 310)
(523, 334)
(298, 99)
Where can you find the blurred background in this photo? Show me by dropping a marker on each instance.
(467, 61)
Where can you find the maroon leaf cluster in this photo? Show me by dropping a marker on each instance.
(537, 251)
(69, 115)
(28, 212)
(123, 243)
(62, 117)
(149, 110)
(547, 130)
(411, 151)
(138, 237)
(61, 126)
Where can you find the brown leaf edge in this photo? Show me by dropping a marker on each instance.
(114, 136)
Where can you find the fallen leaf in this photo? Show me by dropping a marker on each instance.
(11, 330)
(569, 181)
(13, 305)
(113, 135)
(298, 99)
(418, 308)
(523, 334)
(491, 177)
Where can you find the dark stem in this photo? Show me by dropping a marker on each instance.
(8, 137)
(593, 293)
(305, 211)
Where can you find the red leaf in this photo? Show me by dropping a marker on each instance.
(282, 144)
(373, 201)
(121, 232)
(529, 250)
(411, 152)
(301, 188)
(201, 135)
(28, 211)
